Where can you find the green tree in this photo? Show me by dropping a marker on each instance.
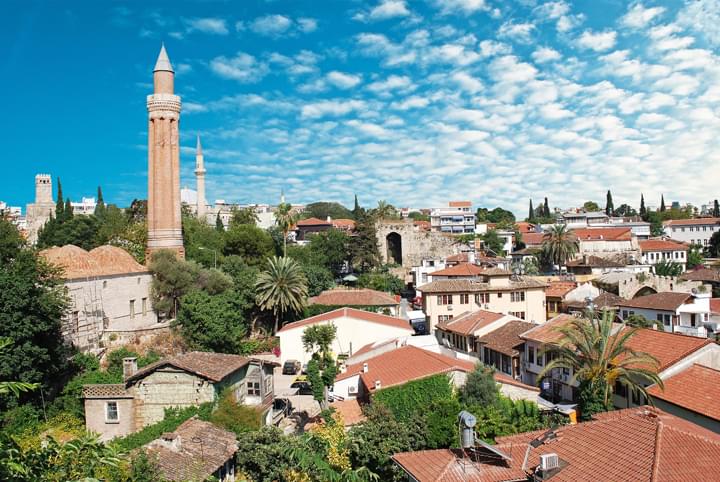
(281, 288)
(668, 268)
(609, 207)
(716, 209)
(13, 387)
(323, 210)
(111, 223)
(599, 356)
(662, 203)
(234, 416)
(364, 246)
(714, 245)
(318, 338)
(137, 211)
(32, 304)
(591, 207)
(639, 321)
(493, 242)
(285, 218)
(318, 278)
(132, 239)
(625, 210)
(219, 226)
(100, 203)
(211, 322)
(243, 217)
(418, 216)
(480, 387)
(381, 280)
(249, 242)
(203, 243)
(531, 213)
(643, 210)
(559, 244)
(331, 250)
(356, 208)
(695, 256)
(60, 203)
(321, 368)
(385, 210)
(546, 209)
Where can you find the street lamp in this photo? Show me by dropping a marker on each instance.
(203, 248)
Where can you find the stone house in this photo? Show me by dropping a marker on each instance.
(109, 296)
(190, 379)
(686, 313)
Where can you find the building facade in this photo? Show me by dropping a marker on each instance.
(692, 231)
(653, 251)
(456, 218)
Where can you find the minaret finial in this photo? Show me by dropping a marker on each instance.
(282, 196)
(163, 61)
(198, 150)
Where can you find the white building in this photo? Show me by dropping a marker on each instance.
(355, 329)
(85, 207)
(652, 251)
(686, 313)
(421, 274)
(692, 231)
(457, 218)
(582, 219)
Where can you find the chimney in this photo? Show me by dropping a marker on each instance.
(365, 368)
(329, 219)
(377, 384)
(129, 367)
(171, 441)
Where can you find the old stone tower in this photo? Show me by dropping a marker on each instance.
(200, 177)
(39, 212)
(164, 221)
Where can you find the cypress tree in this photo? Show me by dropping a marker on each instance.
(68, 212)
(59, 206)
(356, 209)
(546, 209)
(100, 205)
(609, 207)
(662, 203)
(643, 211)
(219, 224)
(531, 212)
(716, 209)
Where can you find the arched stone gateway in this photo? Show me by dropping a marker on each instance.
(644, 291)
(394, 248)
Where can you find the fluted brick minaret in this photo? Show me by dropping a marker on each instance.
(164, 221)
(200, 178)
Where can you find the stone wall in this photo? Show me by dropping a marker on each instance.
(95, 418)
(629, 287)
(415, 244)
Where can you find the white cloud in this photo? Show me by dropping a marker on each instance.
(460, 6)
(554, 112)
(467, 82)
(552, 10)
(243, 67)
(370, 129)
(342, 80)
(702, 16)
(597, 41)
(389, 9)
(489, 48)
(331, 108)
(306, 24)
(271, 25)
(393, 82)
(215, 26)
(520, 32)
(416, 102)
(639, 17)
(545, 54)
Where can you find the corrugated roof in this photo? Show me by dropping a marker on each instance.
(696, 389)
(350, 313)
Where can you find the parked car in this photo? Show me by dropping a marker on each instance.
(304, 387)
(291, 367)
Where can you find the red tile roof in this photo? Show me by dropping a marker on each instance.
(649, 245)
(353, 297)
(559, 289)
(692, 222)
(347, 224)
(506, 338)
(403, 365)
(547, 332)
(313, 222)
(715, 305)
(667, 348)
(469, 323)
(631, 445)
(350, 313)
(460, 204)
(461, 269)
(702, 274)
(696, 389)
(350, 410)
(606, 234)
(525, 227)
(665, 301)
(533, 239)
(77, 263)
(458, 258)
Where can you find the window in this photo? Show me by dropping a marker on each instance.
(445, 318)
(666, 320)
(268, 385)
(111, 412)
(517, 296)
(424, 277)
(539, 359)
(505, 361)
(253, 388)
(105, 284)
(144, 306)
(132, 309)
(500, 294)
(531, 354)
(482, 298)
(464, 299)
(444, 299)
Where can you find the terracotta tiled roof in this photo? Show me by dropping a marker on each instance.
(605, 234)
(603, 301)
(533, 239)
(469, 323)
(667, 348)
(374, 346)
(559, 289)
(666, 301)
(458, 258)
(348, 224)
(351, 412)
(461, 269)
(660, 245)
(692, 222)
(696, 389)
(77, 263)
(213, 366)
(476, 286)
(402, 365)
(715, 305)
(594, 262)
(460, 204)
(702, 274)
(313, 222)
(547, 332)
(204, 448)
(350, 313)
(506, 338)
(525, 227)
(353, 297)
(655, 446)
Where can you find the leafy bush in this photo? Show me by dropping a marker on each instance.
(173, 418)
(235, 417)
(405, 400)
(480, 387)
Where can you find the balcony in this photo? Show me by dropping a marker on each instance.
(698, 331)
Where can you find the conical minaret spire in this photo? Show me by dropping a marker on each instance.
(200, 179)
(163, 61)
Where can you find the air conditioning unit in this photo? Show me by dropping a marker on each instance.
(449, 307)
(549, 462)
(352, 389)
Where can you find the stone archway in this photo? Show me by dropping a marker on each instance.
(394, 248)
(644, 291)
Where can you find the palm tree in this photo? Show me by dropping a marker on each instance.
(599, 356)
(559, 244)
(281, 288)
(385, 210)
(285, 218)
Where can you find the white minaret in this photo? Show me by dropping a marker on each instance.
(200, 178)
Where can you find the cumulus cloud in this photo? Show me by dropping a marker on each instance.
(546, 54)
(384, 10)
(702, 16)
(271, 25)
(467, 82)
(330, 108)
(342, 80)
(216, 26)
(460, 6)
(597, 41)
(243, 67)
(519, 32)
(639, 17)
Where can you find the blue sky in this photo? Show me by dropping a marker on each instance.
(414, 102)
